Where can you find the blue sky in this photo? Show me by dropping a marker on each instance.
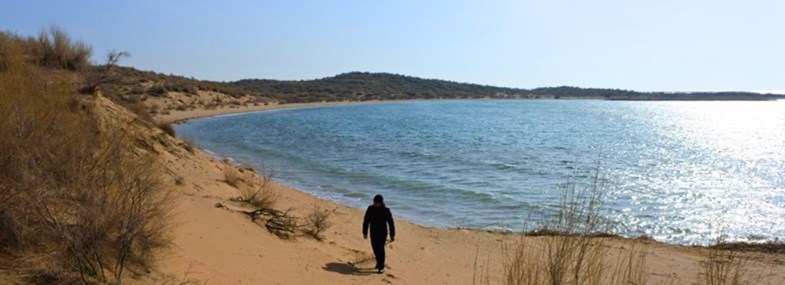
(643, 45)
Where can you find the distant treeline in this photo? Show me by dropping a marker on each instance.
(364, 86)
(361, 86)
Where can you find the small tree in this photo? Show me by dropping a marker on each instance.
(104, 74)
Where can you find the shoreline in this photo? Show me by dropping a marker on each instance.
(181, 117)
(214, 240)
(178, 117)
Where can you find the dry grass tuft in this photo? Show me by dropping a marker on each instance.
(262, 198)
(571, 249)
(732, 263)
(259, 195)
(724, 267)
(232, 176)
(316, 222)
(52, 48)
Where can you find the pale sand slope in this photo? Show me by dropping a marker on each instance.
(176, 116)
(220, 246)
(193, 105)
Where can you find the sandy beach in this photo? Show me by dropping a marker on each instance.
(179, 116)
(175, 116)
(217, 244)
(519, 146)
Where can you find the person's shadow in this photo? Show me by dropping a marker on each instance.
(347, 269)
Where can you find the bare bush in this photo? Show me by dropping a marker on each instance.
(317, 221)
(260, 196)
(78, 201)
(55, 48)
(104, 74)
(280, 223)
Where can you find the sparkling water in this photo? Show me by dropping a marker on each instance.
(680, 172)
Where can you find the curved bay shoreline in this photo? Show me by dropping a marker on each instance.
(416, 245)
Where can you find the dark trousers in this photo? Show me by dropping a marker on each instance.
(377, 243)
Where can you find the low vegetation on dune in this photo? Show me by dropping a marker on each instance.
(317, 222)
(79, 201)
(255, 190)
(53, 48)
(259, 198)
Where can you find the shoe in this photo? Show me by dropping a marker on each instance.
(381, 271)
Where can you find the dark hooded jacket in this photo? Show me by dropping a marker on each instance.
(377, 219)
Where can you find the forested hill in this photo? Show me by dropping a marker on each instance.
(361, 86)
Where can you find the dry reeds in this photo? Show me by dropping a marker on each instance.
(574, 251)
(724, 267)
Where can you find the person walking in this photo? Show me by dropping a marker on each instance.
(378, 216)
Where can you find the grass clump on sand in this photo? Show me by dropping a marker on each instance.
(571, 249)
(259, 195)
(317, 222)
(79, 202)
(724, 267)
(733, 263)
(262, 199)
(232, 176)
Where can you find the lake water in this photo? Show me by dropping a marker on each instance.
(680, 172)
